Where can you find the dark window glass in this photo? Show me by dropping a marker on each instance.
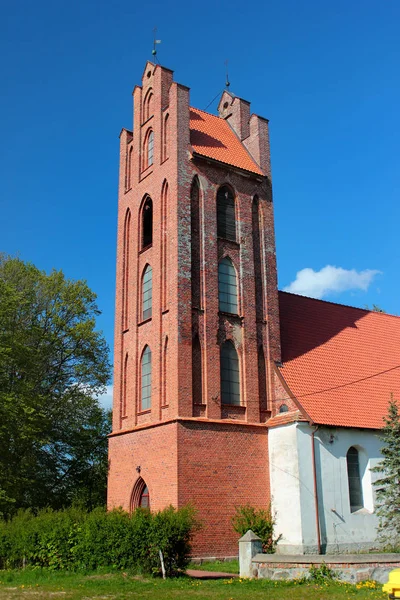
(226, 221)
(147, 288)
(230, 378)
(144, 500)
(353, 474)
(227, 287)
(147, 223)
(283, 408)
(146, 379)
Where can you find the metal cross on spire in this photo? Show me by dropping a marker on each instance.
(155, 42)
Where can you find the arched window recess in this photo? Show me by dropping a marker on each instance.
(140, 497)
(147, 293)
(230, 375)
(227, 287)
(354, 479)
(145, 391)
(148, 150)
(226, 217)
(147, 223)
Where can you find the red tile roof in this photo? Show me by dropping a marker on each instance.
(341, 363)
(213, 137)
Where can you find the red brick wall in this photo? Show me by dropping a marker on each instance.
(220, 466)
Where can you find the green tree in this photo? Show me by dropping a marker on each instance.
(53, 366)
(388, 484)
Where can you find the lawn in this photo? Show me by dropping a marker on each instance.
(40, 585)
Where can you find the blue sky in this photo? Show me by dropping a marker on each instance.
(327, 75)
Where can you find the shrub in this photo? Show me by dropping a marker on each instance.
(74, 539)
(260, 521)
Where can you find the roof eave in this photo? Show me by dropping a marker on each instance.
(214, 161)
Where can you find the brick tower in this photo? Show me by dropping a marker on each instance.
(197, 325)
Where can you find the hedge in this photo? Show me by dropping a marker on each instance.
(74, 539)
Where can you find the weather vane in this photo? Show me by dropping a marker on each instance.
(155, 42)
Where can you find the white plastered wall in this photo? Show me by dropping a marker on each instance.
(292, 488)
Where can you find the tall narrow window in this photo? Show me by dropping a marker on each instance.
(262, 379)
(147, 223)
(226, 219)
(146, 379)
(230, 377)
(197, 379)
(353, 474)
(166, 137)
(125, 271)
(195, 234)
(147, 292)
(227, 287)
(150, 148)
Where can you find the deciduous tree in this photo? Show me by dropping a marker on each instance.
(53, 366)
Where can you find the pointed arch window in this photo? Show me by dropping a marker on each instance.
(140, 496)
(146, 380)
(147, 223)
(227, 286)
(230, 376)
(147, 293)
(148, 150)
(226, 218)
(354, 479)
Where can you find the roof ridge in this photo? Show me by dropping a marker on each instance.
(366, 310)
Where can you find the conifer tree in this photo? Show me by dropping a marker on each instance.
(388, 483)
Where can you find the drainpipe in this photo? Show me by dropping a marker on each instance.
(316, 489)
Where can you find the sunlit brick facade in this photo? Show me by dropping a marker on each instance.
(176, 429)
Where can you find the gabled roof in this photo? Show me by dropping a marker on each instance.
(212, 137)
(341, 363)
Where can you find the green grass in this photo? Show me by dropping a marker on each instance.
(223, 566)
(40, 585)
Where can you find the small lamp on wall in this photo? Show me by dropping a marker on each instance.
(138, 469)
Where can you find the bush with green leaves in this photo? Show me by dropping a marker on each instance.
(260, 521)
(75, 539)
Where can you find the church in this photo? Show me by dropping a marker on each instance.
(226, 391)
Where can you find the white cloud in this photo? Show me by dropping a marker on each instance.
(318, 284)
(106, 399)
